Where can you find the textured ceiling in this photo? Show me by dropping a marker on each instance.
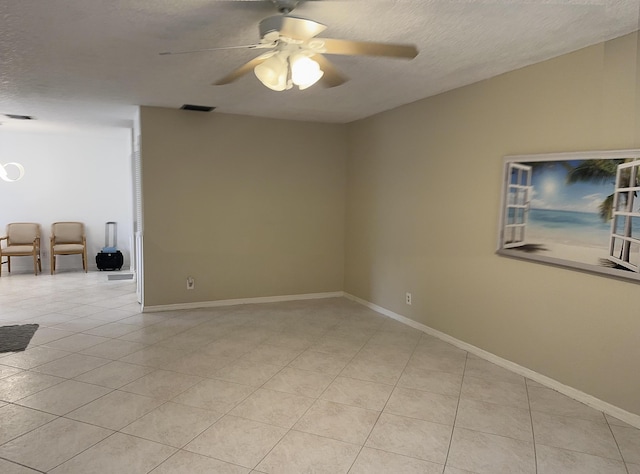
(90, 62)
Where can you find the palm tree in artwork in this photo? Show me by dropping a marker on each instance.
(601, 171)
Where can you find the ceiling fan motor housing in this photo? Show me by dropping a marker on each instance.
(270, 25)
(285, 6)
(289, 28)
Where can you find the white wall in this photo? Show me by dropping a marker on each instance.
(69, 176)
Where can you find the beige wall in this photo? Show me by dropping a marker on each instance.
(423, 193)
(253, 207)
(248, 207)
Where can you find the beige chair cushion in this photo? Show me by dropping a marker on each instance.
(62, 248)
(18, 250)
(22, 233)
(67, 232)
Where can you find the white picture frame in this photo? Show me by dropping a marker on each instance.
(577, 209)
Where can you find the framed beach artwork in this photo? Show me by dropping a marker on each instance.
(578, 209)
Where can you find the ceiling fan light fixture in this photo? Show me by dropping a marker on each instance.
(273, 72)
(305, 72)
(4, 175)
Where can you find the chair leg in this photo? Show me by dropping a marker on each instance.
(53, 263)
(84, 260)
(35, 264)
(9, 264)
(39, 263)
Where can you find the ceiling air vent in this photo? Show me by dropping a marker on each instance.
(197, 108)
(19, 117)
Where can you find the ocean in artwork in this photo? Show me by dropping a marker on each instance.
(585, 229)
(572, 235)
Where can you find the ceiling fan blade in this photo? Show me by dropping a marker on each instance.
(241, 71)
(291, 26)
(331, 77)
(337, 46)
(246, 46)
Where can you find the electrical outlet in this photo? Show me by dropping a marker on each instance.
(191, 283)
(408, 298)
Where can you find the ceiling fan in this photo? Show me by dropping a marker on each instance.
(295, 54)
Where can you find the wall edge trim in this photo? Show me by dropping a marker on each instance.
(600, 405)
(238, 301)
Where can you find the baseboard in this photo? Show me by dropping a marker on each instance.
(593, 402)
(120, 276)
(64, 268)
(233, 302)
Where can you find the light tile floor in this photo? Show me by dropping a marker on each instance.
(325, 386)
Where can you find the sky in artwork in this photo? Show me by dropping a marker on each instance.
(551, 191)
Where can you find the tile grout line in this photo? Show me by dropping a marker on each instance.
(533, 433)
(33, 429)
(316, 399)
(24, 465)
(86, 449)
(378, 331)
(624, 462)
(453, 428)
(247, 396)
(385, 404)
(108, 393)
(307, 410)
(67, 379)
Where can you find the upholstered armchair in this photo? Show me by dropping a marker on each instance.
(22, 240)
(68, 238)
